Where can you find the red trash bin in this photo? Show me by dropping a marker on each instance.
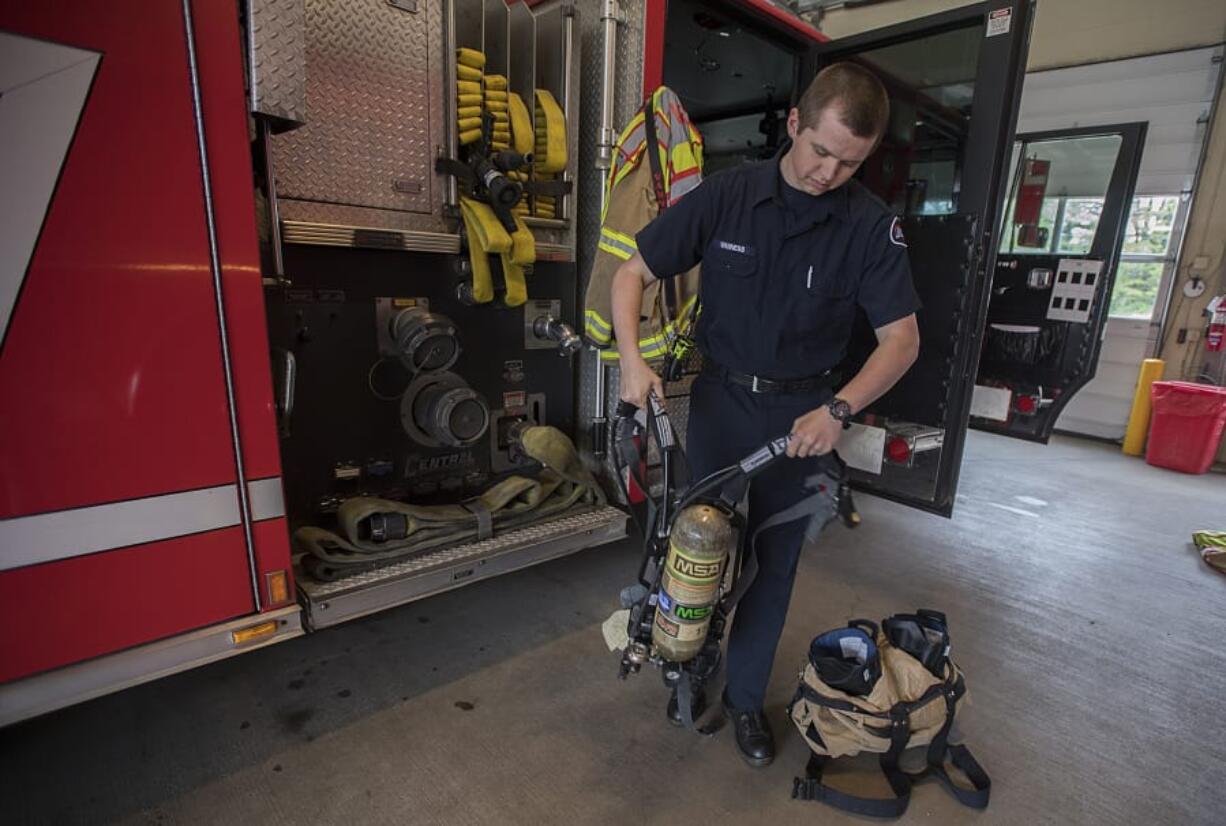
(1186, 425)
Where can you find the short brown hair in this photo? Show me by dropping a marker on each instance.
(863, 103)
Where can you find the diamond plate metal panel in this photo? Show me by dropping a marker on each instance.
(276, 46)
(368, 139)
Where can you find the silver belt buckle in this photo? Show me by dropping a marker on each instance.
(754, 386)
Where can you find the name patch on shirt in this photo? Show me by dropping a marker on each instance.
(738, 248)
(896, 236)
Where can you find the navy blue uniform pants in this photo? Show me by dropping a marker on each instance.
(727, 422)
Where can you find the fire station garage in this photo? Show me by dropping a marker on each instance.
(336, 488)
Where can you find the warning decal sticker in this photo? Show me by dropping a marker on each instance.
(999, 22)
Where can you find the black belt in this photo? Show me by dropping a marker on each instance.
(757, 384)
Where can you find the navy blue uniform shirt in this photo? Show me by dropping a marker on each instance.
(782, 271)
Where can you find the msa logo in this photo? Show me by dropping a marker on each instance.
(686, 612)
(731, 247)
(697, 570)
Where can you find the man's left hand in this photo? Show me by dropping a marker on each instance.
(814, 434)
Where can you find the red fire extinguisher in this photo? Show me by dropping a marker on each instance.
(1216, 335)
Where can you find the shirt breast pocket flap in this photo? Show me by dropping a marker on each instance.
(832, 285)
(738, 262)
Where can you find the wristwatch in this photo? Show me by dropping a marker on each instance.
(840, 410)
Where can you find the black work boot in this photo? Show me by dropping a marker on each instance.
(698, 704)
(753, 735)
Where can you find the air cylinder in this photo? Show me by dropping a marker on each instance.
(698, 549)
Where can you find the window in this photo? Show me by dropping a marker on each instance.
(1068, 226)
(1147, 254)
(1078, 225)
(1056, 199)
(917, 168)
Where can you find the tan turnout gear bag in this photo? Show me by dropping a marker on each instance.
(881, 690)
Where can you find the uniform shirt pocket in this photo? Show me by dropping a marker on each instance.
(827, 284)
(727, 258)
(819, 320)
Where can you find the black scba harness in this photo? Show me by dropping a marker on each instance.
(654, 515)
(881, 690)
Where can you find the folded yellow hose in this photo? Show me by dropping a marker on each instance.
(469, 100)
(496, 82)
(523, 253)
(485, 235)
(523, 136)
(550, 133)
(470, 57)
(463, 72)
(468, 87)
(544, 206)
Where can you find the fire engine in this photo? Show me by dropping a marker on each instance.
(238, 288)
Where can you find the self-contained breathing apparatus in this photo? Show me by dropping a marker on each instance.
(697, 560)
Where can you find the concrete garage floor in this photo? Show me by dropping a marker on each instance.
(1092, 634)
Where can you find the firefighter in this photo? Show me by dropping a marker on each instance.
(789, 248)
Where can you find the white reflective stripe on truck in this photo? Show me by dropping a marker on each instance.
(46, 537)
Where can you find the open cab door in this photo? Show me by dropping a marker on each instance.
(954, 80)
(1064, 223)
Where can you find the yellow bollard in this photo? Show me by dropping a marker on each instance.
(1138, 419)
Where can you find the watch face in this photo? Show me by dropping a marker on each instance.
(840, 410)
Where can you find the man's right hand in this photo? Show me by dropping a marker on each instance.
(637, 380)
